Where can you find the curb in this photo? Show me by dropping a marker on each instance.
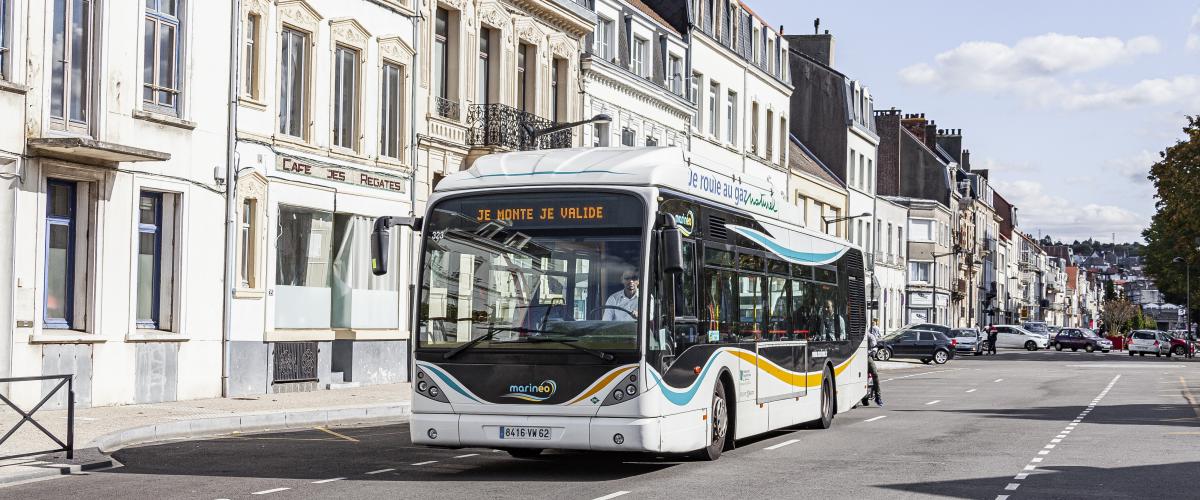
(51, 467)
(251, 422)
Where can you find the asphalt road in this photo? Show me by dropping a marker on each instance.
(1022, 425)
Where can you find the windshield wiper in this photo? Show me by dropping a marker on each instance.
(492, 331)
(567, 342)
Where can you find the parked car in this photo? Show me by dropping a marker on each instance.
(1179, 342)
(970, 340)
(1053, 329)
(1017, 337)
(942, 329)
(925, 345)
(1149, 341)
(1080, 338)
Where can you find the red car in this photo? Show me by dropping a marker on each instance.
(1179, 343)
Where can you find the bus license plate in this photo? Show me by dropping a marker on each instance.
(524, 433)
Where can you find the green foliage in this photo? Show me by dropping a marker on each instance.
(1110, 291)
(1174, 230)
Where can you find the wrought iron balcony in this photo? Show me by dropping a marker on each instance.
(503, 126)
(446, 108)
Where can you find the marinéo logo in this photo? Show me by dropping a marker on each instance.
(534, 393)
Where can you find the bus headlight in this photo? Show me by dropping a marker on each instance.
(631, 389)
(433, 392)
(618, 395)
(421, 386)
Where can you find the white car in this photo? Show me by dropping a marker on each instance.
(1149, 341)
(1014, 336)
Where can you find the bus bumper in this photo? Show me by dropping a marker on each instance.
(568, 433)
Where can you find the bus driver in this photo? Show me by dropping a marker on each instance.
(622, 304)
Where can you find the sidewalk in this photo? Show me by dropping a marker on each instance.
(110, 428)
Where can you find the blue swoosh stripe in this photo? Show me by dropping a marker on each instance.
(794, 256)
(450, 382)
(683, 398)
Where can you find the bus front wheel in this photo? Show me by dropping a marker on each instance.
(718, 417)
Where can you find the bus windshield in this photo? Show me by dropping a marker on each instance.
(541, 271)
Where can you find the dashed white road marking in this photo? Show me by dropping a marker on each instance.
(781, 445)
(380, 471)
(612, 495)
(323, 481)
(998, 380)
(427, 462)
(936, 401)
(970, 390)
(1012, 486)
(467, 455)
(872, 419)
(273, 490)
(919, 374)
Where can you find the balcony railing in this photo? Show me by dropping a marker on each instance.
(446, 108)
(503, 126)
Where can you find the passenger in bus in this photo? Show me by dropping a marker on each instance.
(622, 305)
(828, 321)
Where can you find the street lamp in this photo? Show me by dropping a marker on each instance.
(935, 257)
(533, 133)
(829, 221)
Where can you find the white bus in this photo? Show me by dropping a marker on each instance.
(623, 299)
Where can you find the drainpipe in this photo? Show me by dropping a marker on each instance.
(235, 17)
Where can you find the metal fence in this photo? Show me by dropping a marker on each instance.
(504, 126)
(295, 361)
(64, 380)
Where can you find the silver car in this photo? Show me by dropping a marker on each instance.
(969, 340)
(1149, 341)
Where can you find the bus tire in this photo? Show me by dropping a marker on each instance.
(828, 402)
(718, 418)
(524, 452)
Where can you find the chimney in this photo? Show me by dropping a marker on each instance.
(930, 137)
(966, 160)
(816, 46)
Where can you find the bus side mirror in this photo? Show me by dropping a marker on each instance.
(380, 237)
(672, 247)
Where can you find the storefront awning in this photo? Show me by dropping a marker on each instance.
(91, 151)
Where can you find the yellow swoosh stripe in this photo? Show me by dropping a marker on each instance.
(602, 383)
(786, 376)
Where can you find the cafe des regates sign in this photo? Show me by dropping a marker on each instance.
(343, 175)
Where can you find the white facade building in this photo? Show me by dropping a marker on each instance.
(891, 252)
(109, 207)
(325, 137)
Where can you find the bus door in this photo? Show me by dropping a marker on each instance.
(782, 356)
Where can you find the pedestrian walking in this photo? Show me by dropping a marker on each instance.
(991, 339)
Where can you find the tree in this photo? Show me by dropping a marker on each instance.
(1176, 222)
(1110, 291)
(1119, 312)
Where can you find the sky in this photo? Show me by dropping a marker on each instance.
(1067, 102)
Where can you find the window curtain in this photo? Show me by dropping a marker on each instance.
(353, 281)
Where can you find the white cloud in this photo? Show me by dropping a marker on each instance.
(1133, 168)
(1193, 39)
(1066, 220)
(1034, 69)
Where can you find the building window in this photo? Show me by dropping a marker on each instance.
(651, 141)
(162, 54)
(754, 128)
(345, 97)
(441, 54)
(293, 89)
(391, 104)
(627, 137)
(920, 271)
(695, 98)
(850, 172)
(71, 64)
(783, 141)
(61, 252)
(770, 137)
(155, 260)
(921, 230)
(676, 74)
(303, 243)
(731, 117)
(639, 58)
(250, 57)
(248, 251)
(714, 93)
(483, 67)
(525, 54)
(870, 175)
(862, 171)
(5, 39)
(604, 32)
(601, 135)
(558, 84)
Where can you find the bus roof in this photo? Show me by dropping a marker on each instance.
(666, 167)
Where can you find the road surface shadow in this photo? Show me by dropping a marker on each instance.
(1143, 481)
(1180, 415)
(315, 454)
(1068, 356)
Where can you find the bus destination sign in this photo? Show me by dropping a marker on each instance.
(539, 210)
(573, 213)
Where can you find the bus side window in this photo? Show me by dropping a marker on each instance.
(721, 308)
(778, 321)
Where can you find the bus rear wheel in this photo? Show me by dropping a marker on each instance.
(827, 402)
(718, 418)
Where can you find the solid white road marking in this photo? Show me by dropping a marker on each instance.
(781, 445)
(380, 471)
(936, 401)
(612, 495)
(264, 492)
(467, 455)
(872, 419)
(427, 462)
(323, 481)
